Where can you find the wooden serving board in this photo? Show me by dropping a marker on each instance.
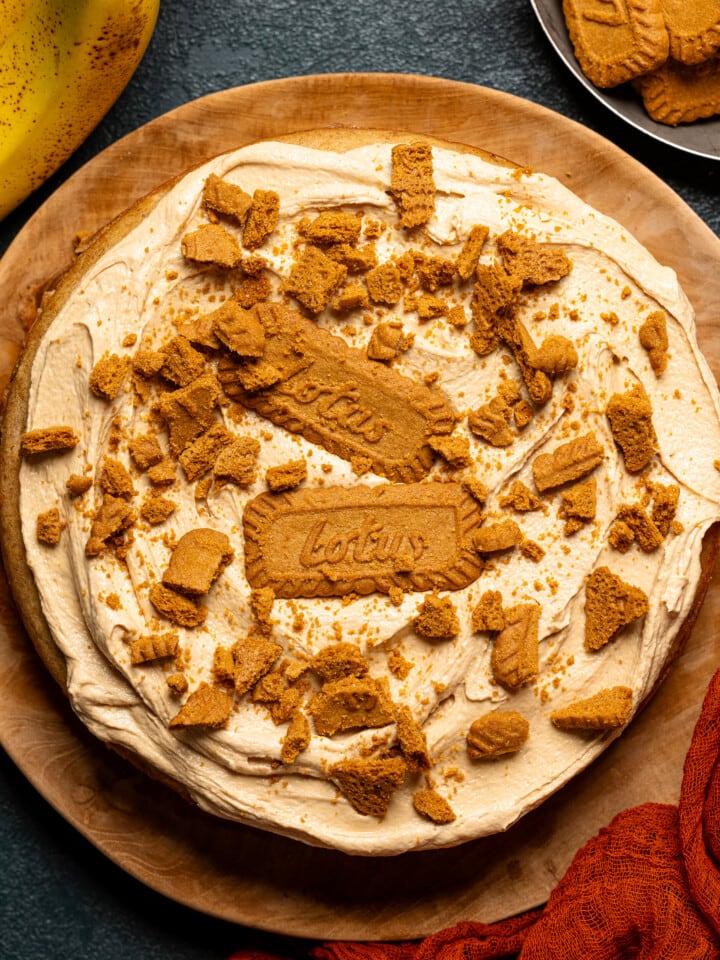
(255, 878)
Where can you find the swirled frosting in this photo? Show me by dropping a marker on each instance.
(134, 295)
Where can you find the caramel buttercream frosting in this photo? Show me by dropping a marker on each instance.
(375, 507)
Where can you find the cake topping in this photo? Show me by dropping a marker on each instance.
(197, 561)
(77, 485)
(467, 259)
(605, 710)
(437, 619)
(412, 741)
(654, 338)
(175, 607)
(568, 462)
(211, 243)
(226, 198)
(610, 604)
(239, 330)
(412, 184)
(49, 527)
(252, 658)
(296, 739)
(350, 703)
(107, 376)
(514, 659)
(368, 784)
(630, 416)
(208, 706)
(497, 734)
(432, 806)
(262, 218)
(488, 612)
(48, 440)
(113, 517)
(314, 279)
(154, 646)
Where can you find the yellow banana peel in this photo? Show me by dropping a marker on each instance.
(63, 64)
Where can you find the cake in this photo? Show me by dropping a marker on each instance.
(355, 484)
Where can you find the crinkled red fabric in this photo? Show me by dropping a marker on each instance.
(647, 887)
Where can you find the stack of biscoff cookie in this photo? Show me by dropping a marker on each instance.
(669, 49)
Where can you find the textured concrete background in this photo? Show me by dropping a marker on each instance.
(59, 898)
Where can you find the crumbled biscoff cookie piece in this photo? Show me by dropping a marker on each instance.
(253, 657)
(495, 291)
(476, 488)
(237, 462)
(654, 338)
(145, 451)
(437, 618)
(368, 784)
(488, 612)
(493, 537)
(262, 218)
(412, 741)
(454, 450)
(429, 804)
(154, 646)
(567, 462)
(314, 279)
(296, 739)
(497, 734)
(356, 259)
(175, 607)
(664, 508)
(456, 316)
(189, 411)
(429, 307)
(514, 659)
(646, 533)
(606, 710)
(534, 263)
(48, 440)
(107, 376)
(384, 283)
(522, 414)
(252, 290)
(261, 604)
(354, 296)
(555, 355)
(412, 184)
(286, 476)
(76, 485)
(467, 260)
(386, 341)
(211, 243)
(532, 550)
(491, 422)
(579, 504)
(226, 198)
(610, 604)
(162, 474)
(199, 557)
(339, 660)
(519, 497)
(115, 480)
(147, 363)
(434, 272)
(239, 330)
(114, 516)
(156, 509)
(208, 706)
(630, 416)
(200, 455)
(332, 226)
(182, 363)
(178, 684)
(351, 703)
(49, 527)
(620, 536)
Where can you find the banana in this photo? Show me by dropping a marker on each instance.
(63, 64)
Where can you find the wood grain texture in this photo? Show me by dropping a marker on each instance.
(239, 873)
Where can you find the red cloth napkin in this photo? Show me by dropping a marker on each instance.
(646, 887)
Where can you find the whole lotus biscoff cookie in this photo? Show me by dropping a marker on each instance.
(676, 93)
(693, 28)
(616, 40)
(343, 593)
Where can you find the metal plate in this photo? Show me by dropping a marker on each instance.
(701, 138)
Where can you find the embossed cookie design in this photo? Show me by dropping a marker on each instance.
(312, 383)
(329, 542)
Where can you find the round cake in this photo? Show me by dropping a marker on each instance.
(356, 485)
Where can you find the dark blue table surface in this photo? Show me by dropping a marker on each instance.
(59, 897)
